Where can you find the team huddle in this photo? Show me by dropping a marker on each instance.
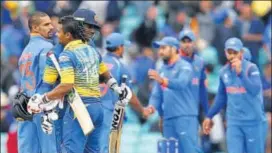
(72, 99)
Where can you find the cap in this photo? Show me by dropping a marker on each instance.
(234, 43)
(187, 33)
(247, 54)
(115, 40)
(87, 16)
(166, 41)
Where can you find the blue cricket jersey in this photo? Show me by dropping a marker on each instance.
(177, 99)
(117, 69)
(32, 64)
(198, 81)
(241, 93)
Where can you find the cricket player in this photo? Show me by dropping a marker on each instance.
(172, 96)
(247, 56)
(80, 69)
(31, 138)
(87, 17)
(240, 89)
(115, 45)
(187, 46)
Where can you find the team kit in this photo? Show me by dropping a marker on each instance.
(72, 99)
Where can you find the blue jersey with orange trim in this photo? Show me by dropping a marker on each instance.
(79, 64)
(198, 82)
(32, 64)
(117, 69)
(177, 99)
(242, 94)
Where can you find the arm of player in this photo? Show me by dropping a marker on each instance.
(156, 98)
(106, 77)
(219, 102)
(203, 95)
(252, 80)
(67, 78)
(135, 103)
(178, 83)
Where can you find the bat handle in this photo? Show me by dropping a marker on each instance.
(124, 79)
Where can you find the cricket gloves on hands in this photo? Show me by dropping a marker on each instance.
(112, 83)
(38, 103)
(47, 121)
(125, 96)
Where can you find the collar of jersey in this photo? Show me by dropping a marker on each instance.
(73, 44)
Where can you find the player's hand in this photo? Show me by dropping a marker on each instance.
(47, 124)
(148, 111)
(49, 105)
(33, 105)
(207, 126)
(236, 64)
(152, 74)
(126, 95)
(161, 124)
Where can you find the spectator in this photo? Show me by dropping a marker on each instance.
(147, 30)
(13, 45)
(175, 24)
(205, 21)
(113, 11)
(267, 38)
(251, 29)
(7, 79)
(223, 31)
(99, 7)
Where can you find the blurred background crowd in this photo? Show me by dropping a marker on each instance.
(143, 22)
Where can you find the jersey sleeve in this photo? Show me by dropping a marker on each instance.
(203, 94)
(50, 72)
(183, 79)
(251, 79)
(220, 100)
(67, 71)
(156, 98)
(102, 67)
(50, 75)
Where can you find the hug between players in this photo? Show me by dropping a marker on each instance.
(194, 105)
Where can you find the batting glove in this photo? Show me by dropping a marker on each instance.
(47, 124)
(125, 96)
(33, 105)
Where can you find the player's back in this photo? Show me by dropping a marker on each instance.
(32, 63)
(82, 60)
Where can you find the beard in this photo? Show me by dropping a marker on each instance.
(166, 60)
(187, 51)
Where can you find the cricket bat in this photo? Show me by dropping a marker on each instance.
(116, 125)
(76, 104)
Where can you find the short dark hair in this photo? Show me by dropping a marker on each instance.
(76, 28)
(34, 19)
